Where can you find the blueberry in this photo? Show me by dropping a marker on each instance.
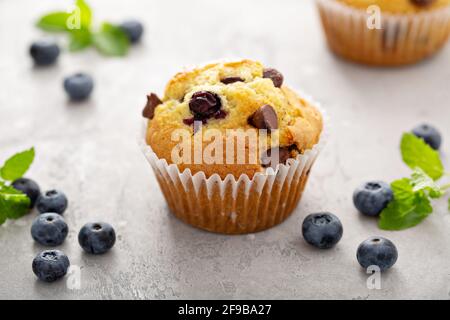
(377, 251)
(97, 238)
(29, 187)
(79, 86)
(52, 201)
(372, 197)
(133, 29)
(205, 104)
(50, 265)
(429, 134)
(322, 230)
(49, 229)
(44, 52)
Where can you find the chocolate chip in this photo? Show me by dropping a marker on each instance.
(264, 118)
(423, 3)
(204, 104)
(229, 80)
(283, 155)
(274, 75)
(152, 102)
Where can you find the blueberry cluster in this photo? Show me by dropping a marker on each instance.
(324, 230)
(372, 197)
(78, 86)
(50, 229)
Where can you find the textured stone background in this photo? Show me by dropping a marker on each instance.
(90, 151)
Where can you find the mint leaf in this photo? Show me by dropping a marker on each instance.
(80, 39)
(2, 217)
(85, 14)
(408, 208)
(17, 165)
(421, 181)
(416, 153)
(111, 40)
(402, 189)
(55, 21)
(13, 204)
(396, 217)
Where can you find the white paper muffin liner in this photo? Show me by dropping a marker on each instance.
(403, 39)
(235, 205)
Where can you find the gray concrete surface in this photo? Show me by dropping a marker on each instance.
(90, 151)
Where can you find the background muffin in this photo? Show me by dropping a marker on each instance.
(411, 30)
(233, 197)
(398, 6)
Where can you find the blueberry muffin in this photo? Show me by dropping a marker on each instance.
(246, 187)
(407, 31)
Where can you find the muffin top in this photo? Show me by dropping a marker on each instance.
(226, 99)
(399, 6)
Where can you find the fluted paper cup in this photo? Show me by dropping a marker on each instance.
(403, 38)
(235, 205)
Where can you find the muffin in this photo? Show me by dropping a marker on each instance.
(231, 146)
(408, 30)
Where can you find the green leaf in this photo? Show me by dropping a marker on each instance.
(80, 39)
(16, 166)
(55, 21)
(416, 153)
(85, 14)
(80, 18)
(2, 217)
(402, 189)
(13, 204)
(408, 208)
(111, 40)
(421, 181)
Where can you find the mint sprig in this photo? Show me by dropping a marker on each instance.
(14, 203)
(109, 40)
(413, 195)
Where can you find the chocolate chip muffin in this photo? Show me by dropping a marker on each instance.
(248, 186)
(235, 95)
(385, 32)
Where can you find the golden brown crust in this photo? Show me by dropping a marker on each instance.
(396, 6)
(300, 123)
